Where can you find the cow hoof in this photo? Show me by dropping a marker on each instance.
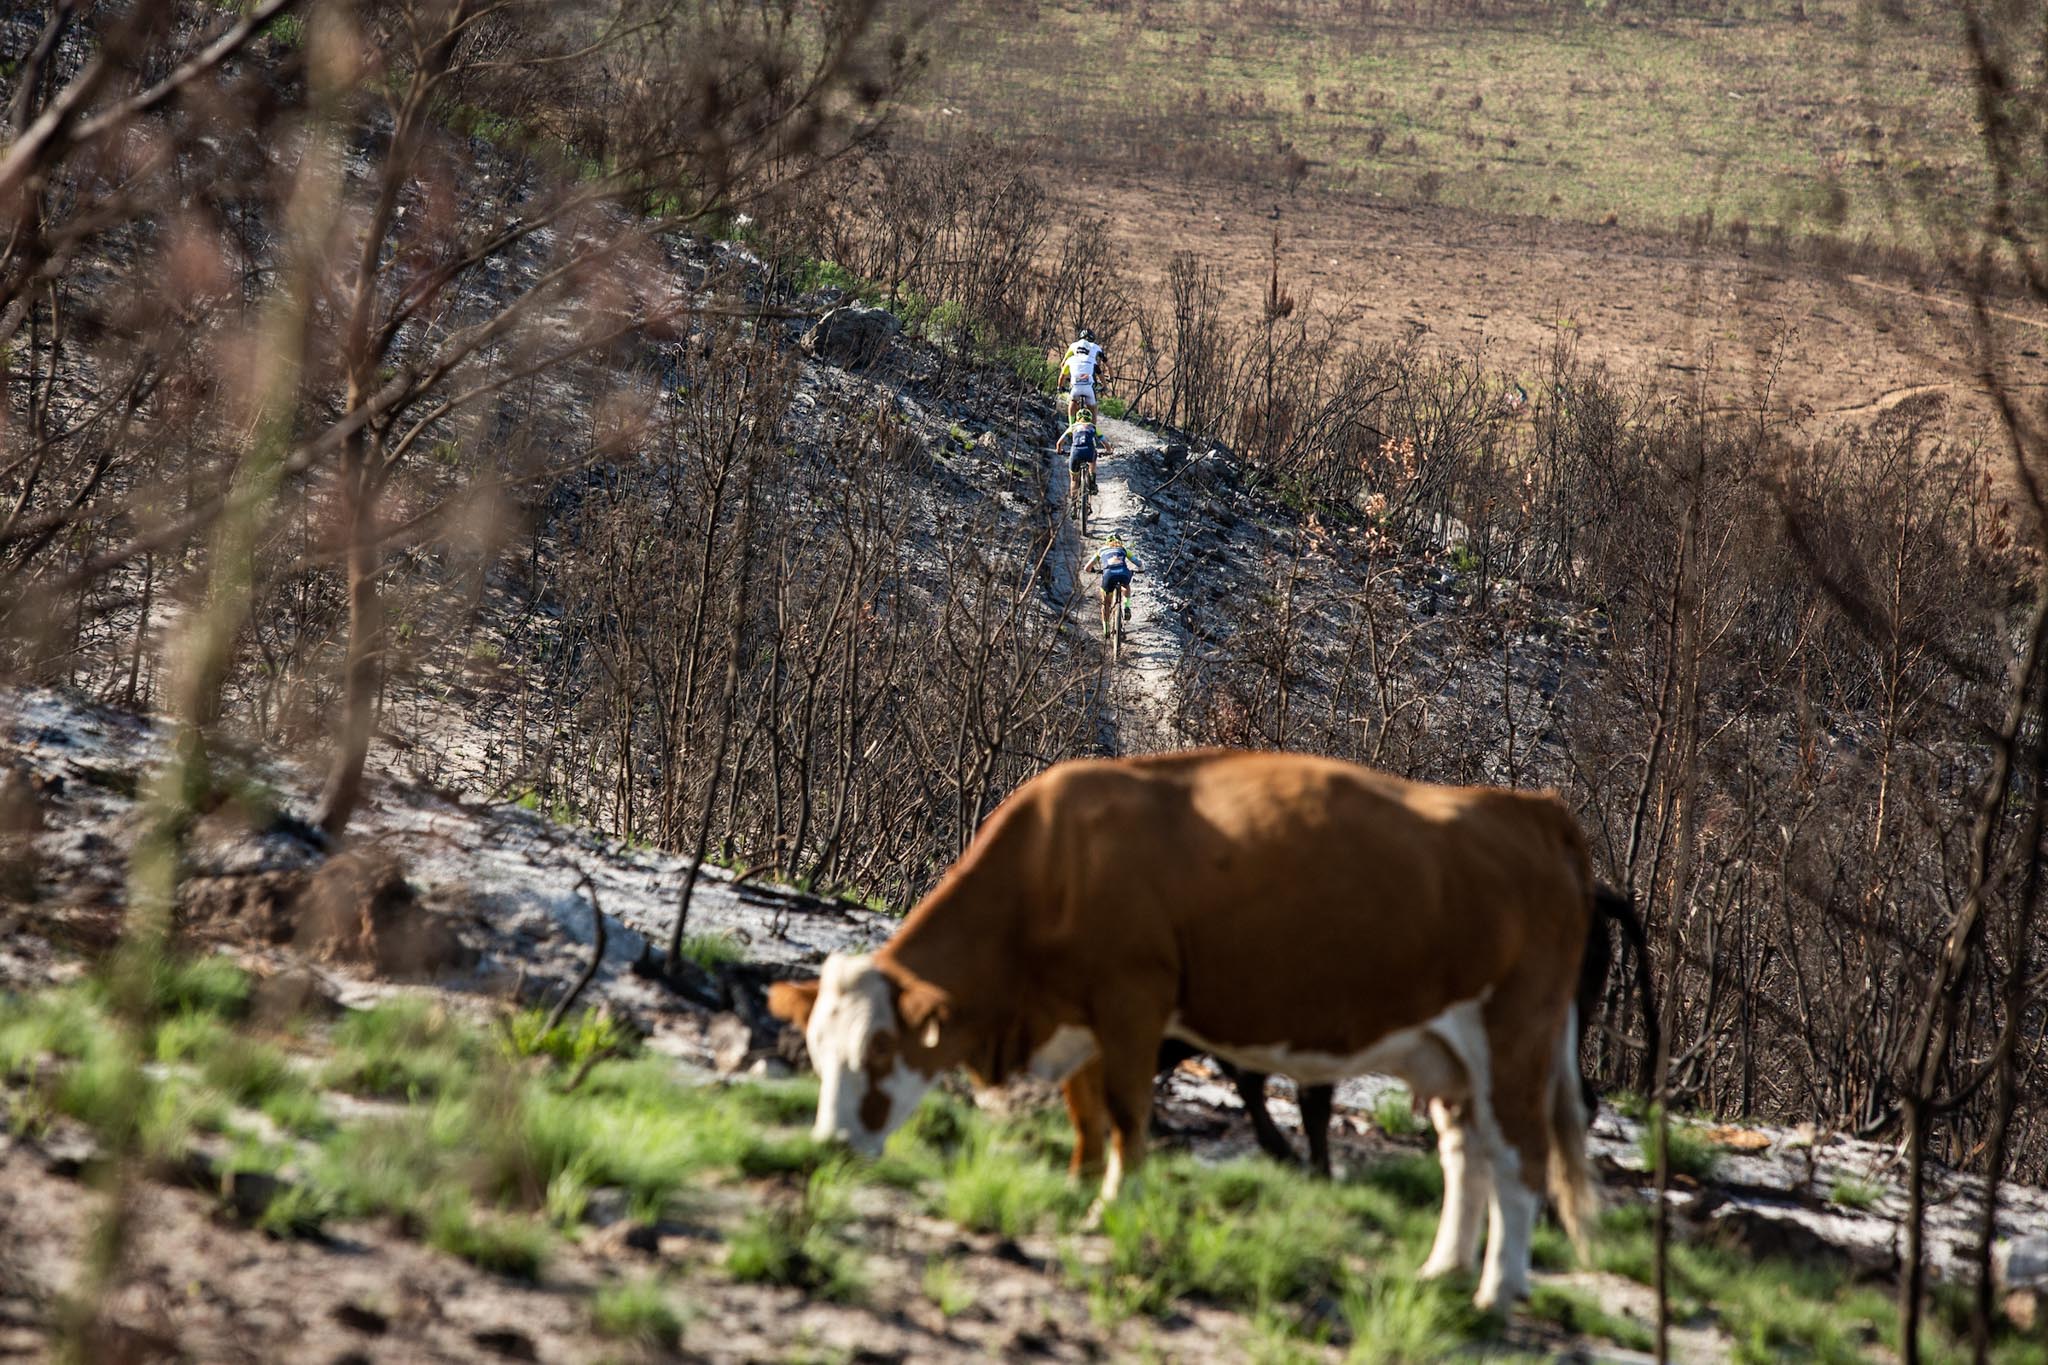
(1433, 1269)
(1497, 1301)
(1092, 1220)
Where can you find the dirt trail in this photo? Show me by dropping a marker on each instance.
(1136, 688)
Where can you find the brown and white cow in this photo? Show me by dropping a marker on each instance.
(1293, 914)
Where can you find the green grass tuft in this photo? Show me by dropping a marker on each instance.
(713, 951)
(1581, 1316)
(504, 1245)
(1394, 1113)
(1688, 1149)
(572, 1042)
(637, 1311)
(403, 1049)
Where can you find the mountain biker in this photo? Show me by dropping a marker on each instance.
(1117, 565)
(1085, 446)
(1077, 372)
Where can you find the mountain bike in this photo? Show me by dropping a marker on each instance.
(1119, 604)
(1077, 497)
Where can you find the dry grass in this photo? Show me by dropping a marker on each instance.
(1768, 122)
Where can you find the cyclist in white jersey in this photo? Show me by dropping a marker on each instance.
(1078, 370)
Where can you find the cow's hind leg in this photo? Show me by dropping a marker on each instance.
(1523, 1040)
(1466, 1155)
(1251, 1090)
(1089, 1110)
(1451, 1066)
(1315, 1125)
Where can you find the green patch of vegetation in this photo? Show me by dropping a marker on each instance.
(1030, 365)
(516, 1247)
(1394, 1114)
(799, 1245)
(203, 985)
(946, 1287)
(65, 1024)
(249, 1072)
(637, 1311)
(1629, 1105)
(996, 1183)
(405, 1048)
(573, 1042)
(713, 950)
(809, 276)
(1689, 1151)
(1578, 1314)
(1852, 1193)
(1396, 1318)
(1114, 407)
(1244, 1234)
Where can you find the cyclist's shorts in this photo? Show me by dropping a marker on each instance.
(1119, 577)
(1079, 459)
(1082, 393)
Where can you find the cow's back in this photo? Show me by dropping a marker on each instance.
(1307, 901)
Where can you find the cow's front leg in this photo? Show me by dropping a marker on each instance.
(1090, 1113)
(1127, 1090)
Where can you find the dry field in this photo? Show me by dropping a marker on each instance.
(1833, 345)
(1516, 174)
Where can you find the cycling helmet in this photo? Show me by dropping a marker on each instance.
(1114, 539)
(1086, 335)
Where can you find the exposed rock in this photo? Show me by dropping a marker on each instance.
(259, 906)
(732, 1043)
(2022, 1263)
(358, 1318)
(852, 335)
(507, 1342)
(1799, 1234)
(359, 908)
(21, 805)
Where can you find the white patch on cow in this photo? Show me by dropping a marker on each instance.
(1416, 1055)
(854, 1008)
(1070, 1048)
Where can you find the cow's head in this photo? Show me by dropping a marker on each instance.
(874, 1041)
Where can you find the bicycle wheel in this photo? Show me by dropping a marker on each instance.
(1117, 653)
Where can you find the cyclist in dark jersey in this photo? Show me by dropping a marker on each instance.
(1085, 445)
(1116, 564)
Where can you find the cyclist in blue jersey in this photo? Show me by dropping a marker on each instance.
(1083, 445)
(1116, 565)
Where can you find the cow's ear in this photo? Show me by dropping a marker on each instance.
(924, 1009)
(791, 1001)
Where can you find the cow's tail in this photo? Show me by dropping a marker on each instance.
(1611, 906)
(1570, 1174)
